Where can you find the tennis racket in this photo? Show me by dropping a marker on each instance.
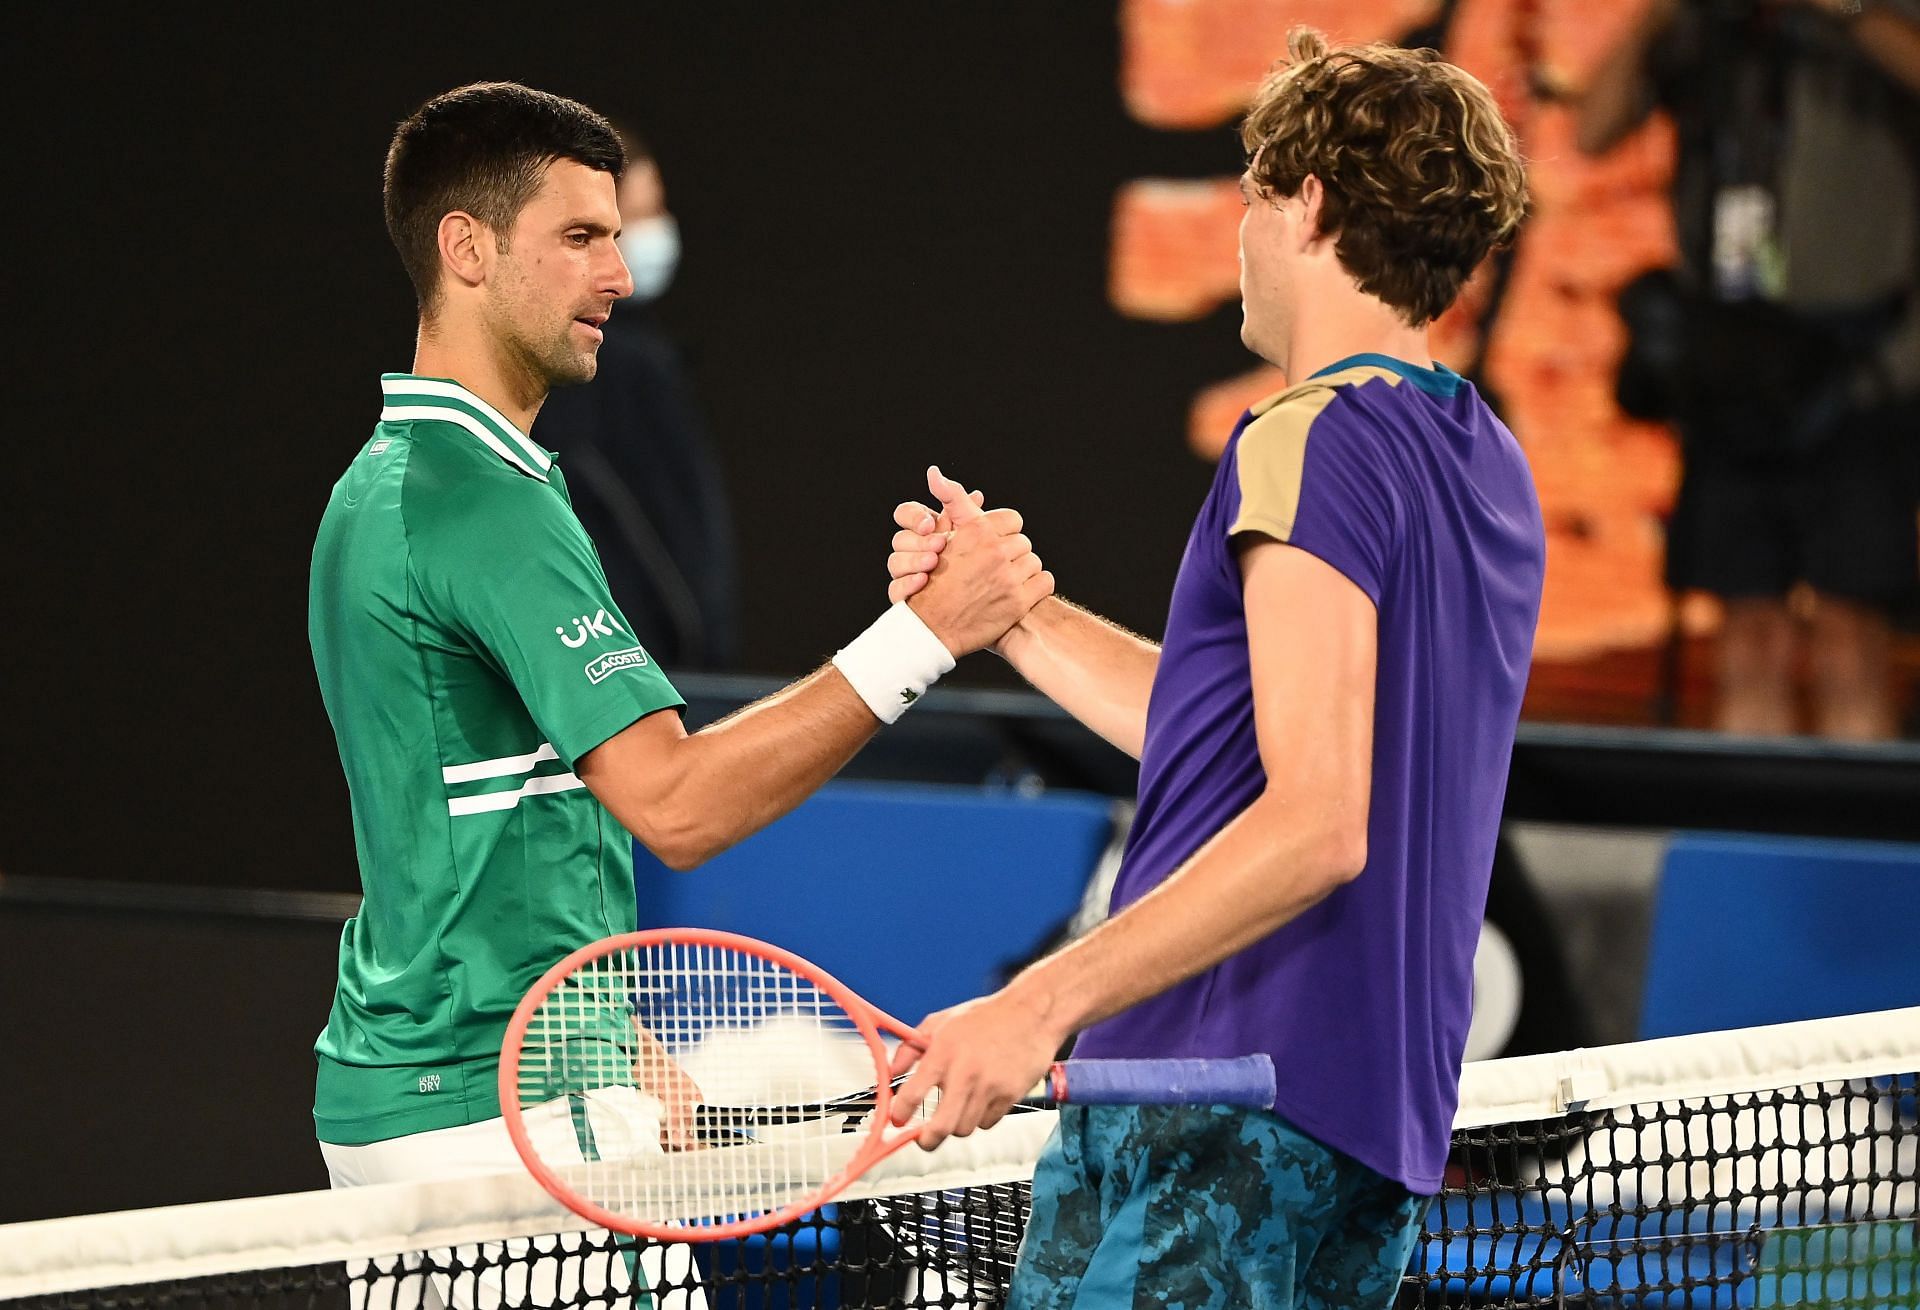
(719, 1086)
(724, 1124)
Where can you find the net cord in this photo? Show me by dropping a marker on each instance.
(1668, 1069)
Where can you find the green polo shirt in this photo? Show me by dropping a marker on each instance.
(469, 653)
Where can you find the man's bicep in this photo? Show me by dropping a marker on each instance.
(636, 765)
(645, 775)
(1312, 638)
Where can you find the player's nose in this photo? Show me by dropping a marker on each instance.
(618, 282)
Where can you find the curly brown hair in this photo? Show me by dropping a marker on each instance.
(1422, 176)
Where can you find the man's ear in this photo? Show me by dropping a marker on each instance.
(1310, 197)
(465, 253)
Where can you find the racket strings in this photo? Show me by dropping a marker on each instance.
(699, 1083)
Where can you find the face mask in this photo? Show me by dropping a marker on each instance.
(651, 247)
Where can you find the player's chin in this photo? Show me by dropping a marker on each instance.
(1255, 337)
(574, 367)
(1249, 336)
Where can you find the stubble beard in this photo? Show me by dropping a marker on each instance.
(556, 360)
(547, 355)
(571, 365)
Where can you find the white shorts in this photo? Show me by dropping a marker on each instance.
(512, 1276)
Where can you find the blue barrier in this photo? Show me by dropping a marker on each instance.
(1758, 930)
(765, 1272)
(915, 896)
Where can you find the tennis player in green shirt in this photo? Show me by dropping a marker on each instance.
(501, 725)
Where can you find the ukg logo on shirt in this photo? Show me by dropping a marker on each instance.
(605, 666)
(586, 628)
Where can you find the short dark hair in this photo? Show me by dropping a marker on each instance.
(482, 148)
(1421, 174)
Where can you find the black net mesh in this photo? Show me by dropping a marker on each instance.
(945, 1249)
(1800, 1197)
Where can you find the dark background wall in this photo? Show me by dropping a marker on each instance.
(896, 227)
(174, 1064)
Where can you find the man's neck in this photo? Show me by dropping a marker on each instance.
(477, 363)
(1338, 331)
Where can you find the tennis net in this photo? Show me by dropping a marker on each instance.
(1771, 1166)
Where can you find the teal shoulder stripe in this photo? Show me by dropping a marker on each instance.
(1436, 381)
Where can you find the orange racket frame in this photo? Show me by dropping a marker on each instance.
(882, 1139)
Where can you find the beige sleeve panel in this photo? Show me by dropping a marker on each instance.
(1273, 450)
(1273, 459)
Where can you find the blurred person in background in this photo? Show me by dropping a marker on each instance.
(644, 478)
(1786, 345)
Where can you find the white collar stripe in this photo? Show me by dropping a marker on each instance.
(412, 386)
(506, 766)
(448, 414)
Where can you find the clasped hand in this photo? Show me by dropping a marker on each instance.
(970, 573)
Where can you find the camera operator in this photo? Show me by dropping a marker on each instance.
(1787, 345)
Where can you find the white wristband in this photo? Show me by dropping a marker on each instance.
(893, 662)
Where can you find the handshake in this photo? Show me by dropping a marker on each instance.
(968, 573)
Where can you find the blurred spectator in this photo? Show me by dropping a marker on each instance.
(1787, 345)
(639, 466)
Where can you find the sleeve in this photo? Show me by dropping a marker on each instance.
(1311, 480)
(516, 577)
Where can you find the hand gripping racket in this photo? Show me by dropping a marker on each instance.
(686, 1084)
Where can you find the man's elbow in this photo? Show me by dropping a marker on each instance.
(679, 858)
(1345, 855)
(1321, 842)
(678, 838)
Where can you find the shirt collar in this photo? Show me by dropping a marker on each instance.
(405, 397)
(1436, 381)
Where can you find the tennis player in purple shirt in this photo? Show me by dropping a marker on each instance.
(1323, 741)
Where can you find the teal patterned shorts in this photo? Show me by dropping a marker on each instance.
(1183, 1207)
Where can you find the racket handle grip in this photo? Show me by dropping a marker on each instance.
(1245, 1080)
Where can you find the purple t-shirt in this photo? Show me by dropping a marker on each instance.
(1403, 480)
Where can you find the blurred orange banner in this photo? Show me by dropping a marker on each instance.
(1605, 482)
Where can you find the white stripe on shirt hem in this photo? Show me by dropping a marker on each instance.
(507, 800)
(443, 414)
(504, 767)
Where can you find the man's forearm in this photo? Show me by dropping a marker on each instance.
(758, 764)
(690, 798)
(1270, 864)
(1097, 671)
